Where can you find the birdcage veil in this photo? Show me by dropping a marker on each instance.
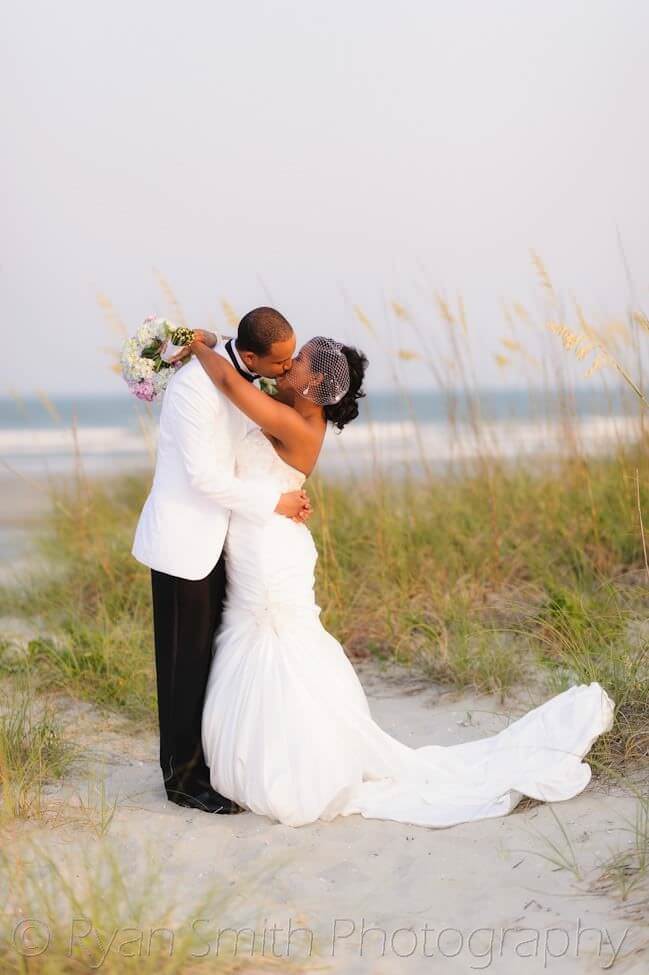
(320, 371)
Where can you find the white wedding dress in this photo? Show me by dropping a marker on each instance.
(287, 730)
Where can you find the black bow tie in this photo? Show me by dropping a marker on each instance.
(250, 376)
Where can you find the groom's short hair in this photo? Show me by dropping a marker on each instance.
(260, 328)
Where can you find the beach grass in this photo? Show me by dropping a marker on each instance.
(89, 907)
(33, 752)
(94, 601)
(476, 586)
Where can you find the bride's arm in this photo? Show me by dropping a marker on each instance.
(276, 418)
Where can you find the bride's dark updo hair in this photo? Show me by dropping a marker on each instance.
(347, 409)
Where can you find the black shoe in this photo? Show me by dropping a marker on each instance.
(207, 800)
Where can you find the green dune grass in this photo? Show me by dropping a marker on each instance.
(476, 581)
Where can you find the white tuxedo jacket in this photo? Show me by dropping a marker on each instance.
(183, 523)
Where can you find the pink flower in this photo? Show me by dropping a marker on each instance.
(144, 389)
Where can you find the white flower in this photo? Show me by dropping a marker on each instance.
(134, 367)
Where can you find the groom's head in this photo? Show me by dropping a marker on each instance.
(266, 342)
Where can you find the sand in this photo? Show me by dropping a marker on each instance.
(336, 878)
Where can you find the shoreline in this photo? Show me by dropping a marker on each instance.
(362, 445)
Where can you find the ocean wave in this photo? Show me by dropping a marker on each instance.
(63, 440)
(360, 442)
(504, 437)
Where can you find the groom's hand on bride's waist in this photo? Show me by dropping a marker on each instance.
(294, 505)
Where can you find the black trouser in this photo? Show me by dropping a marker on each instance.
(186, 615)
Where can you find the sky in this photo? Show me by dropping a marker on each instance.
(314, 156)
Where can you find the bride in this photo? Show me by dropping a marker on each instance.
(286, 727)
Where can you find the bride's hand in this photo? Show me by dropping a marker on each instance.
(202, 339)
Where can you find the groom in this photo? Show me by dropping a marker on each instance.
(181, 532)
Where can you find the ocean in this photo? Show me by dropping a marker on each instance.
(394, 430)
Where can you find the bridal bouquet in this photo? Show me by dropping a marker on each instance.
(144, 361)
